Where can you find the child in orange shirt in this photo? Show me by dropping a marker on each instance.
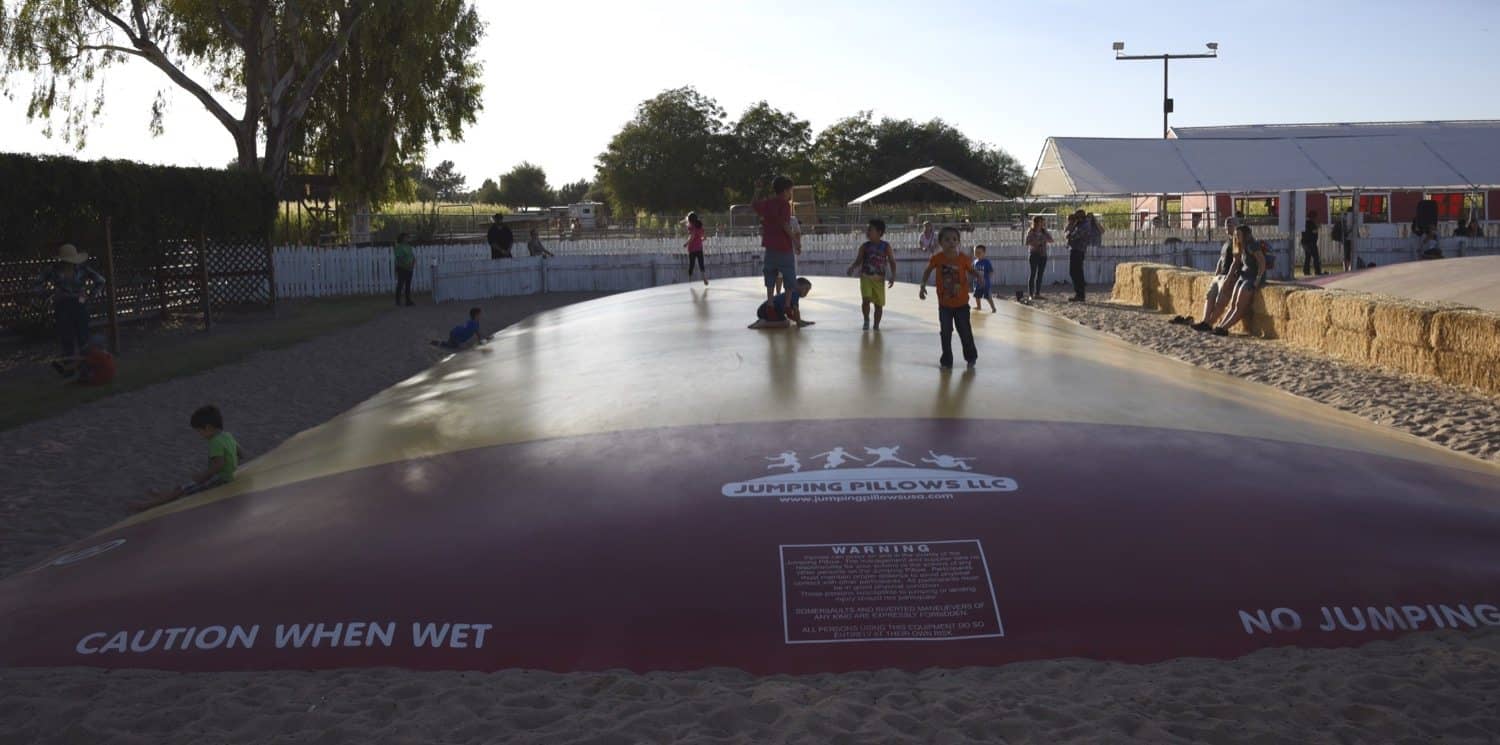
(955, 271)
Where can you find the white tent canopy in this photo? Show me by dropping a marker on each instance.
(939, 176)
(1086, 166)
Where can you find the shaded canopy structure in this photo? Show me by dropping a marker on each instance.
(830, 501)
(936, 175)
(1456, 158)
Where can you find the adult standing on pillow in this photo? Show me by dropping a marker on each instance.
(72, 285)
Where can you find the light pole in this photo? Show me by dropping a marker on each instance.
(1166, 103)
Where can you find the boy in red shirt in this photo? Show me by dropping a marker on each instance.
(776, 236)
(955, 271)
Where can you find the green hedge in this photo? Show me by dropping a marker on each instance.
(49, 200)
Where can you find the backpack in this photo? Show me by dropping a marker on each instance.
(1265, 250)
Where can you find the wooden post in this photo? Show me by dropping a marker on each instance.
(203, 291)
(109, 286)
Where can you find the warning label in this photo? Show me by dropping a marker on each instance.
(896, 591)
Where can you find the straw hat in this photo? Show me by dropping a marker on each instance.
(70, 253)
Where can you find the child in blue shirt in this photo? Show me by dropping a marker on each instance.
(983, 269)
(781, 310)
(464, 333)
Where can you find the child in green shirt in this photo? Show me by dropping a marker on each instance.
(224, 456)
(406, 264)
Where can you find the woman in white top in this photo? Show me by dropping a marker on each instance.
(928, 242)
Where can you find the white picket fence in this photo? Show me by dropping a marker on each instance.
(359, 270)
(474, 280)
(467, 272)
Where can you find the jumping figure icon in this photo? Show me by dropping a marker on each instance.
(947, 461)
(883, 455)
(787, 459)
(836, 457)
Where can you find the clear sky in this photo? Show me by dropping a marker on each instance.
(560, 78)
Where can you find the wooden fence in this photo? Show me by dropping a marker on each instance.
(148, 280)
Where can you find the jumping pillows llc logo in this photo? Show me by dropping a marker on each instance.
(880, 474)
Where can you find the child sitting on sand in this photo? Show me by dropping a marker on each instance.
(781, 311)
(224, 457)
(463, 333)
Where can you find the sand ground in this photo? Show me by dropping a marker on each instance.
(68, 476)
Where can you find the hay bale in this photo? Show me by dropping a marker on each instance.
(1128, 288)
(1408, 358)
(1473, 332)
(1179, 286)
(1347, 345)
(1268, 313)
(1405, 322)
(1352, 311)
(1309, 307)
(1469, 370)
(1151, 287)
(1305, 334)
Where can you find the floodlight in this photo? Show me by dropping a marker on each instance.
(1119, 46)
(1214, 45)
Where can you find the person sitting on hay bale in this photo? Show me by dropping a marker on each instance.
(1251, 256)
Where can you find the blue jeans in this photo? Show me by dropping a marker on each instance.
(784, 262)
(949, 319)
(72, 326)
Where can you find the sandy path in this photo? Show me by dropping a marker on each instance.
(1465, 420)
(1427, 688)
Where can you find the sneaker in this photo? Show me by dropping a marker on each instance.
(1200, 326)
(1078, 300)
(1179, 320)
(867, 324)
(1221, 332)
(971, 364)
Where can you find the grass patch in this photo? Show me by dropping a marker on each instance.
(38, 394)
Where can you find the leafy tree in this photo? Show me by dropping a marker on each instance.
(766, 141)
(406, 80)
(669, 157)
(270, 57)
(857, 154)
(445, 182)
(489, 192)
(574, 192)
(844, 157)
(525, 186)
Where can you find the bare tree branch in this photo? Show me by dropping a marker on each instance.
(116, 20)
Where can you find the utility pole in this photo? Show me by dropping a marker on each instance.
(1166, 100)
(1166, 59)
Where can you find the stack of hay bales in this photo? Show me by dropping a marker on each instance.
(1269, 312)
(1351, 325)
(1307, 319)
(1454, 343)
(1153, 290)
(1466, 345)
(1403, 335)
(1176, 290)
(1128, 283)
